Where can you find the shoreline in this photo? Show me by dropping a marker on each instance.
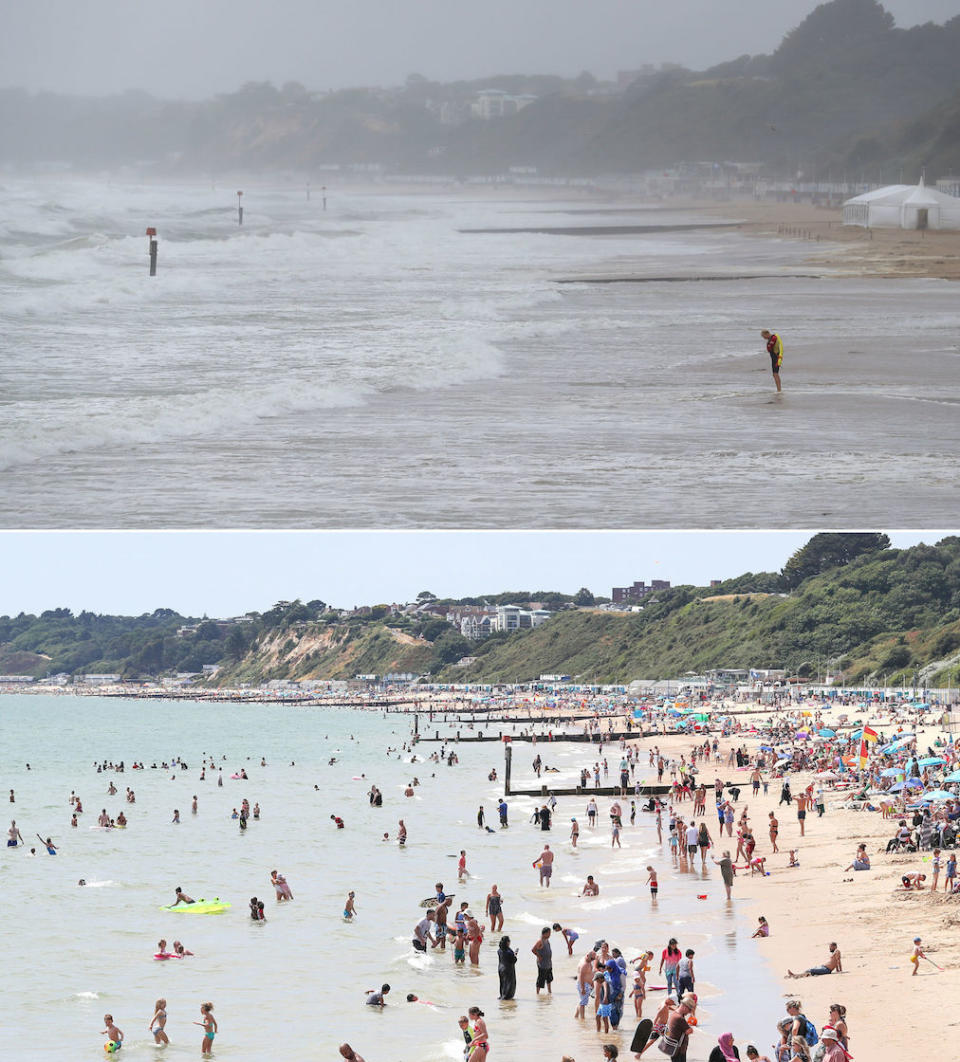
(848, 250)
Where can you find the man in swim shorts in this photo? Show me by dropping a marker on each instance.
(182, 897)
(775, 350)
(832, 965)
(544, 954)
(545, 861)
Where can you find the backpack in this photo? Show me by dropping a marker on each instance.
(810, 1034)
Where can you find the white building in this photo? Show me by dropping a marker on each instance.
(495, 103)
(903, 206)
(514, 618)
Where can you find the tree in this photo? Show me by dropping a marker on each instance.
(584, 597)
(830, 550)
(237, 643)
(426, 595)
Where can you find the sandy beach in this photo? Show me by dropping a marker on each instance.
(848, 250)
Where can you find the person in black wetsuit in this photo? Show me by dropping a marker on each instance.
(507, 968)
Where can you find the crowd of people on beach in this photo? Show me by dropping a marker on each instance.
(607, 983)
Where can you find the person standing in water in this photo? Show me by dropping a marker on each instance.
(209, 1024)
(158, 1021)
(111, 1030)
(495, 909)
(544, 954)
(507, 968)
(775, 350)
(349, 910)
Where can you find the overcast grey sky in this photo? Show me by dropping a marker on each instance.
(195, 48)
(229, 573)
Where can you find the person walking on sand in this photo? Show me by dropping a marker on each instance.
(774, 830)
(775, 350)
(916, 955)
(574, 832)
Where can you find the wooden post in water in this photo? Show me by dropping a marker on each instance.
(507, 760)
(152, 234)
(308, 191)
(239, 208)
(324, 190)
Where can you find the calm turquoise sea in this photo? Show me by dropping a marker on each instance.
(295, 985)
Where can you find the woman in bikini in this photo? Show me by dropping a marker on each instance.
(479, 1045)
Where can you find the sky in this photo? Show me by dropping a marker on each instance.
(192, 49)
(221, 573)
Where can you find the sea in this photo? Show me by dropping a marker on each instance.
(294, 986)
(373, 364)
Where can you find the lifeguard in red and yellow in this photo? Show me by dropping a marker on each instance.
(775, 350)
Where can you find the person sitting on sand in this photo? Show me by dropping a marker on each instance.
(861, 861)
(833, 964)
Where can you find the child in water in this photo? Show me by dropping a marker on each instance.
(459, 951)
(111, 1030)
(158, 1021)
(209, 1024)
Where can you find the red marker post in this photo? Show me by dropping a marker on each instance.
(152, 251)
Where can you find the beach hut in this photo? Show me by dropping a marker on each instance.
(903, 206)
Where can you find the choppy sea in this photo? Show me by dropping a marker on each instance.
(372, 365)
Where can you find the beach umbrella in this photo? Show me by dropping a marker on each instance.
(931, 761)
(913, 783)
(827, 733)
(827, 776)
(955, 777)
(891, 772)
(937, 794)
(784, 759)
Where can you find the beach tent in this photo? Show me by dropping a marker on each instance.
(903, 206)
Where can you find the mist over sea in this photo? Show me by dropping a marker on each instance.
(372, 366)
(73, 954)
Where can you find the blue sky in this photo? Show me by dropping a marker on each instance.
(223, 573)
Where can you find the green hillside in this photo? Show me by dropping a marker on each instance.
(884, 613)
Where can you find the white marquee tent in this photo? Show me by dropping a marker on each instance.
(903, 206)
